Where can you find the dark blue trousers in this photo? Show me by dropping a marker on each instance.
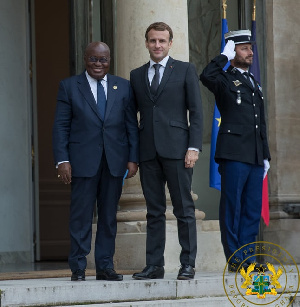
(240, 207)
(106, 189)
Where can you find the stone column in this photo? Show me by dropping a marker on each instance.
(131, 19)
(283, 92)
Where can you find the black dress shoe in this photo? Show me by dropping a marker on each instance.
(150, 272)
(79, 275)
(186, 272)
(108, 274)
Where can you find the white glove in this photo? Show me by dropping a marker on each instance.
(229, 50)
(266, 167)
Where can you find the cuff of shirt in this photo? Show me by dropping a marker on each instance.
(193, 148)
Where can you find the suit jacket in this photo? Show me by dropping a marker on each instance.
(242, 134)
(81, 136)
(166, 127)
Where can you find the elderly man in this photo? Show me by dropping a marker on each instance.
(95, 141)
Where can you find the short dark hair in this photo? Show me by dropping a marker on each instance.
(159, 26)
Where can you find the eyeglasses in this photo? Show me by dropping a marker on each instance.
(94, 59)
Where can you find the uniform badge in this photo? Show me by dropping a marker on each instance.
(237, 82)
(115, 87)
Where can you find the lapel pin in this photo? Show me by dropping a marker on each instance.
(115, 87)
(237, 82)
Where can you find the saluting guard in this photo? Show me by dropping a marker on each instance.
(242, 150)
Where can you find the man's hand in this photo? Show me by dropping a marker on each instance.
(191, 157)
(64, 172)
(132, 169)
(229, 50)
(266, 167)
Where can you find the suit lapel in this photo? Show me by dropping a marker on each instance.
(144, 71)
(167, 73)
(255, 83)
(247, 81)
(112, 88)
(84, 88)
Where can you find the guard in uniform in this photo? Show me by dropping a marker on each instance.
(242, 150)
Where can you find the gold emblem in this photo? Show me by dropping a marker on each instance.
(247, 276)
(237, 82)
(115, 87)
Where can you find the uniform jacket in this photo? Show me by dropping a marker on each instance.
(171, 121)
(242, 134)
(81, 136)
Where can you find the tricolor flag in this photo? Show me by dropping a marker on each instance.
(214, 176)
(254, 69)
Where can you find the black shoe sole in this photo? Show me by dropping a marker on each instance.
(147, 278)
(185, 277)
(77, 279)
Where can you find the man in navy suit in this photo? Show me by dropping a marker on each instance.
(95, 140)
(167, 93)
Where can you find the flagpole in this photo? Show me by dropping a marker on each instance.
(260, 237)
(224, 8)
(254, 11)
(214, 175)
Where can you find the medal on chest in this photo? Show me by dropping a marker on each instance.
(238, 97)
(238, 92)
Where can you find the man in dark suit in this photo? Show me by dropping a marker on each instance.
(242, 147)
(95, 140)
(168, 97)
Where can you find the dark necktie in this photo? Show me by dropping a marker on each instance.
(101, 99)
(247, 76)
(155, 80)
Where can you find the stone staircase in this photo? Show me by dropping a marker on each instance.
(207, 289)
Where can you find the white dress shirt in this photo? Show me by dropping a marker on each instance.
(93, 85)
(151, 69)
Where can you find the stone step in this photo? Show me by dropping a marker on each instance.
(207, 289)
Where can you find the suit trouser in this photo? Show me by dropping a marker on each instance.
(240, 208)
(154, 174)
(106, 189)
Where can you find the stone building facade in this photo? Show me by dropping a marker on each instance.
(43, 41)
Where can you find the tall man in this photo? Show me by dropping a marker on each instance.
(168, 97)
(95, 139)
(242, 147)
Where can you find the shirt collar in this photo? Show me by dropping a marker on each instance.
(242, 70)
(92, 79)
(163, 62)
